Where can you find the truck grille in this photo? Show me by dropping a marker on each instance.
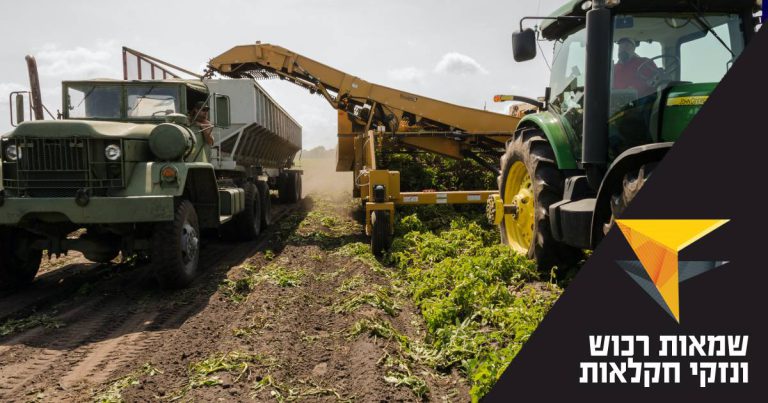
(60, 167)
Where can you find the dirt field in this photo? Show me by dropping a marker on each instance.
(296, 314)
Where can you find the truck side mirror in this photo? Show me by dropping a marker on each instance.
(524, 45)
(19, 108)
(223, 118)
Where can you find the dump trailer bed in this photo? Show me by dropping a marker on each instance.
(261, 133)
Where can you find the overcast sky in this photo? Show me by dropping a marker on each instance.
(457, 51)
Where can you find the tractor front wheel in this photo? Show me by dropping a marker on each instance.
(630, 186)
(529, 183)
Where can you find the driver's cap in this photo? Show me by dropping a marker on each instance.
(627, 40)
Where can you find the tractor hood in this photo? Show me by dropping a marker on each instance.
(82, 128)
(680, 105)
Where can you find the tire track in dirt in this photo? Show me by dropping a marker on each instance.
(106, 332)
(17, 377)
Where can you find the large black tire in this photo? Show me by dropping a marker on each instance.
(19, 263)
(266, 204)
(175, 249)
(246, 225)
(381, 234)
(290, 187)
(630, 186)
(532, 149)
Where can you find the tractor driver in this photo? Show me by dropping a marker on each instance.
(198, 117)
(633, 71)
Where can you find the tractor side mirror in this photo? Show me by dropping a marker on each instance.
(223, 118)
(524, 45)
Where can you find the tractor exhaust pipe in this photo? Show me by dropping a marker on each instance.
(597, 93)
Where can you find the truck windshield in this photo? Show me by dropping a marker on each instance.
(151, 101)
(652, 52)
(93, 101)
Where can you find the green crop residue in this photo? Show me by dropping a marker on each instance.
(480, 300)
(12, 326)
(113, 393)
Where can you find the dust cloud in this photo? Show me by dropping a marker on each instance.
(320, 176)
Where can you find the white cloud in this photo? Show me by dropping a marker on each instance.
(101, 60)
(7, 88)
(459, 64)
(406, 74)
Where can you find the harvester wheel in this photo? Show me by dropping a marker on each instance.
(176, 248)
(529, 183)
(246, 225)
(381, 233)
(290, 187)
(266, 204)
(19, 263)
(631, 184)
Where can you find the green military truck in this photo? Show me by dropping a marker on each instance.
(125, 171)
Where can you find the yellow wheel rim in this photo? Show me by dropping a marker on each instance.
(518, 192)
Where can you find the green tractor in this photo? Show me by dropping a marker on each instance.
(626, 79)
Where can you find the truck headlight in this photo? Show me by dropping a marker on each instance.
(12, 152)
(113, 152)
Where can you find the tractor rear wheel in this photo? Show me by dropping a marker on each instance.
(176, 248)
(631, 184)
(381, 233)
(246, 225)
(529, 183)
(19, 262)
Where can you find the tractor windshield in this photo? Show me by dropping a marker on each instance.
(653, 52)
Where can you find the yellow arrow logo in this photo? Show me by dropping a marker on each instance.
(657, 244)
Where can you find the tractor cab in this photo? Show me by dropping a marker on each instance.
(663, 66)
(627, 78)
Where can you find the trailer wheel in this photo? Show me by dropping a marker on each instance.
(529, 183)
(381, 234)
(631, 184)
(175, 250)
(290, 187)
(19, 262)
(246, 225)
(266, 204)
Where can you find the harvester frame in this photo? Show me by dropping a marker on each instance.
(372, 117)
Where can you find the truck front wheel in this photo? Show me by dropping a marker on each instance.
(19, 262)
(176, 248)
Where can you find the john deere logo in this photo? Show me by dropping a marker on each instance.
(657, 244)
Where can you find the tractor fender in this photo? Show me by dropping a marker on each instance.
(631, 159)
(553, 129)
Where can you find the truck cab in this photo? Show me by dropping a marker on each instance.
(128, 170)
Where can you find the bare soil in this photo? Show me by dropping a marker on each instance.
(267, 321)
